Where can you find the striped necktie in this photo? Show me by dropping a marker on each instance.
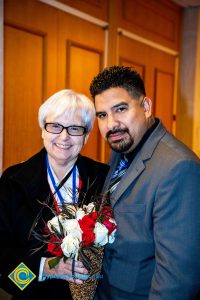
(117, 175)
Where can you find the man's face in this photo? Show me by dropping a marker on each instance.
(122, 120)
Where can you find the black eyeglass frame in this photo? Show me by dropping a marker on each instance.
(67, 128)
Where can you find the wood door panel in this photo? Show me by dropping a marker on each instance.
(159, 21)
(23, 81)
(83, 63)
(96, 8)
(85, 34)
(40, 19)
(163, 99)
(137, 67)
(164, 89)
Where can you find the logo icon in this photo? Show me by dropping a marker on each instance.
(22, 276)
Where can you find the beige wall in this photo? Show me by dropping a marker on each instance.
(196, 127)
(188, 103)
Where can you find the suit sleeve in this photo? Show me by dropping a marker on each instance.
(176, 219)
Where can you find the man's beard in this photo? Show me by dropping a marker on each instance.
(122, 145)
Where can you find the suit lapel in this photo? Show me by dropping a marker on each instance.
(115, 158)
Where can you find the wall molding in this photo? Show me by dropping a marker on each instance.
(147, 42)
(75, 12)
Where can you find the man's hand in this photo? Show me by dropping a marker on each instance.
(63, 270)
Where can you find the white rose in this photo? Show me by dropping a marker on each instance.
(53, 223)
(101, 234)
(90, 207)
(70, 245)
(72, 227)
(80, 214)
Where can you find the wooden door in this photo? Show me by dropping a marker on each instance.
(45, 50)
(30, 75)
(80, 58)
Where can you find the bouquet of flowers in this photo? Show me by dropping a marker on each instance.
(81, 233)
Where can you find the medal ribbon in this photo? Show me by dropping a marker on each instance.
(57, 188)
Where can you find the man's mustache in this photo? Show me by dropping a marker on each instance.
(116, 131)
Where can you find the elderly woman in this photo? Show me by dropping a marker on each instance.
(66, 120)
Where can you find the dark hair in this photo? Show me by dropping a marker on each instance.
(118, 76)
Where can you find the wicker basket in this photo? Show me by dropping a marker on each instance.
(87, 290)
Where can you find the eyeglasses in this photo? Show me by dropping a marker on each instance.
(57, 128)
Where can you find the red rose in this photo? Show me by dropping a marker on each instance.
(107, 210)
(94, 215)
(88, 238)
(87, 223)
(53, 247)
(110, 226)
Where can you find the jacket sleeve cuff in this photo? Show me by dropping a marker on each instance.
(41, 277)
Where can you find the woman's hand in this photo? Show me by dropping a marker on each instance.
(63, 270)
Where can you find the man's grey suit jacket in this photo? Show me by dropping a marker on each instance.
(156, 253)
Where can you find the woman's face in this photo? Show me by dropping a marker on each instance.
(63, 148)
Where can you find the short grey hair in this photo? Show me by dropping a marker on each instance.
(69, 103)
